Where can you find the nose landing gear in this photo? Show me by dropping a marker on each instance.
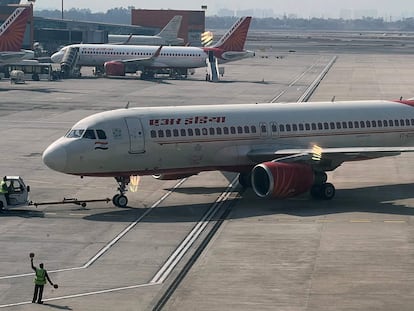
(120, 200)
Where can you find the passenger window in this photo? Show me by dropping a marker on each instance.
(344, 125)
(350, 124)
(368, 123)
(197, 132)
(182, 132)
(153, 134)
(396, 123)
(263, 128)
(190, 132)
(338, 125)
(218, 130)
(356, 124)
(204, 131)
(246, 129)
(175, 132)
(412, 121)
(307, 126)
(239, 130)
(288, 127)
(281, 128)
(332, 125)
(374, 123)
(320, 127)
(407, 122)
(160, 133)
(101, 134)
(226, 130)
(232, 130)
(379, 123)
(362, 124)
(313, 127)
(385, 123)
(211, 130)
(391, 123)
(89, 134)
(253, 128)
(274, 128)
(326, 125)
(301, 128)
(294, 127)
(168, 133)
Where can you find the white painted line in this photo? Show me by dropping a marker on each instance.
(111, 243)
(180, 251)
(104, 291)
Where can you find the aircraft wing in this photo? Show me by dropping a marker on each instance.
(325, 158)
(143, 61)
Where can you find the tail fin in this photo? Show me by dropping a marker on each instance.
(234, 39)
(170, 31)
(13, 29)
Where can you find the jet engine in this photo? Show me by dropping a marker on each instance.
(173, 176)
(114, 68)
(281, 180)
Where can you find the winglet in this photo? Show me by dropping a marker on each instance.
(13, 29)
(157, 52)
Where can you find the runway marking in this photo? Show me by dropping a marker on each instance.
(79, 214)
(397, 221)
(166, 269)
(111, 243)
(360, 221)
(104, 291)
(176, 256)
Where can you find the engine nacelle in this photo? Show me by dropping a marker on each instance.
(173, 176)
(281, 180)
(114, 68)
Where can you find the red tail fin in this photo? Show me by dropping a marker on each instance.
(12, 30)
(234, 39)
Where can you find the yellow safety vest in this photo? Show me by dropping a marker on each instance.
(40, 278)
(3, 187)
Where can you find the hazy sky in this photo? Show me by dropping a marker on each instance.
(303, 8)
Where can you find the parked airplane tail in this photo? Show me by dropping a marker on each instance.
(13, 29)
(234, 39)
(170, 31)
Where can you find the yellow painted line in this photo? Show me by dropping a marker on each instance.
(395, 221)
(324, 220)
(49, 213)
(360, 220)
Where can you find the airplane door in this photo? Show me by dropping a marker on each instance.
(136, 135)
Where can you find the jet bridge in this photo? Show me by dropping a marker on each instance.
(69, 61)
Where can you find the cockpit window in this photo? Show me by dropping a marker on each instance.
(75, 133)
(101, 134)
(89, 134)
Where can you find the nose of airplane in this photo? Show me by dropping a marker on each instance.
(56, 57)
(55, 157)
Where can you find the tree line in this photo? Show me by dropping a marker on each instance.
(123, 16)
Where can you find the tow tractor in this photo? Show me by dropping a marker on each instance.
(18, 196)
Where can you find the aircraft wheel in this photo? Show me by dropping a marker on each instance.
(122, 201)
(320, 178)
(115, 199)
(327, 191)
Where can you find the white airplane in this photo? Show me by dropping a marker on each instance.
(167, 36)
(12, 35)
(120, 59)
(281, 150)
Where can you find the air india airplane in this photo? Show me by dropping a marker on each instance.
(116, 60)
(12, 35)
(281, 150)
(167, 36)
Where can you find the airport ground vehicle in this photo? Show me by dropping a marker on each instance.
(18, 193)
(33, 70)
(17, 76)
(18, 196)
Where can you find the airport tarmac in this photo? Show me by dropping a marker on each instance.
(199, 244)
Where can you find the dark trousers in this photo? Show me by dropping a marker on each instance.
(38, 289)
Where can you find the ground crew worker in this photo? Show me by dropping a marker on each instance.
(4, 189)
(40, 280)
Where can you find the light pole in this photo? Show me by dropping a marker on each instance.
(62, 9)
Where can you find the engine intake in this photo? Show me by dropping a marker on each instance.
(281, 180)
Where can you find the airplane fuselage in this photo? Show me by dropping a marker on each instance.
(180, 140)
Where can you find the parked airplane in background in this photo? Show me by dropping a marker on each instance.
(281, 150)
(167, 36)
(117, 60)
(12, 35)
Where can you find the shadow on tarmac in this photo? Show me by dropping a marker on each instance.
(377, 200)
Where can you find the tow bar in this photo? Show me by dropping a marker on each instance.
(70, 201)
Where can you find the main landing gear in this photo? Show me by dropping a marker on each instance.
(321, 189)
(120, 200)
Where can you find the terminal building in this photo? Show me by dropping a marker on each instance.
(53, 33)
